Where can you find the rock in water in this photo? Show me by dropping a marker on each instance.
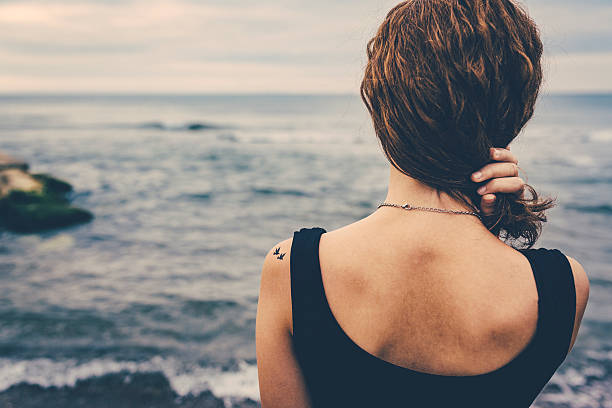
(31, 212)
(16, 179)
(52, 185)
(32, 203)
(8, 162)
(198, 126)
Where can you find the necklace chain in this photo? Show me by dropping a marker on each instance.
(409, 207)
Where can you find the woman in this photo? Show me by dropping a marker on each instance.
(421, 304)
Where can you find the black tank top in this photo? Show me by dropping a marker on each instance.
(339, 373)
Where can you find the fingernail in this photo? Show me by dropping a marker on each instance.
(477, 175)
(490, 199)
(482, 190)
(497, 154)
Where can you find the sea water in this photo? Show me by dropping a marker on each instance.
(155, 300)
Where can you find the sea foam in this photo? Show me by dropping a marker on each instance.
(184, 380)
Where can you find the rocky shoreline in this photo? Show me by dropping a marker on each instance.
(34, 202)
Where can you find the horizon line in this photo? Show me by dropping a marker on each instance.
(242, 94)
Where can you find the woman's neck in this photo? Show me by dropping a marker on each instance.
(405, 189)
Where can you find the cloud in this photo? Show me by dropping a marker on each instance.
(577, 72)
(241, 46)
(573, 27)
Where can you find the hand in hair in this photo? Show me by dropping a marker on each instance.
(503, 174)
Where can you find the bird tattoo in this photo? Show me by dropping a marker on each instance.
(276, 251)
(281, 256)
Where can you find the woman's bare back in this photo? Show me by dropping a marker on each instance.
(433, 293)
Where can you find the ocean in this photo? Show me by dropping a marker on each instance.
(153, 303)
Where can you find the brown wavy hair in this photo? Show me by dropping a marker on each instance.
(447, 80)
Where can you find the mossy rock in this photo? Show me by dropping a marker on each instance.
(26, 212)
(51, 185)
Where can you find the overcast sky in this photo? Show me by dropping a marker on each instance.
(240, 46)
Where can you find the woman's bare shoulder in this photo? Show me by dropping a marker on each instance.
(581, 282)
(275, 285)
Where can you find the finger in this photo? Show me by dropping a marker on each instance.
(487, 204)
(514, 185)
(493, 170)
(503, 155)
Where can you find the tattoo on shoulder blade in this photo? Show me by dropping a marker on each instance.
(281, 256)
(276, 251)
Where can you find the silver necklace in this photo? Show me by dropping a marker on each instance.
(409, 207)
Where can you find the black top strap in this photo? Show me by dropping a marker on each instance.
(307, 293)
(557, 297)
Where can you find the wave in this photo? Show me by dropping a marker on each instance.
(122, 390)
(199, 196)
(192, 126)
(153, 125)
(275, 191)
(587, 180)
(183, 379)
(591, 209)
